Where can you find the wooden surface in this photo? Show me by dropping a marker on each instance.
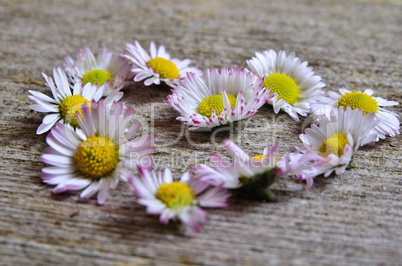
(351, 219)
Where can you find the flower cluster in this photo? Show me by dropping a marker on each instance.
(94, 144)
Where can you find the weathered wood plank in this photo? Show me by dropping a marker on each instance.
(351, 219)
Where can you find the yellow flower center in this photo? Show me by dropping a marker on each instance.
(334, 144)
(215, 102)
(284, 86)
(99, 76)
(69, 106)
(259, 157)
(166, 68)
(176, 194)
(358, 100)
(96, 157)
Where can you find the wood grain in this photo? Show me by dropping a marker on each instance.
(351, 219)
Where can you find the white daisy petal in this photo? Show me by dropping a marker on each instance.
(150, 81)
(60, 147)
(54, 171)
(43, 107)
(42, 96)
(74, 184)
(91, 190)
(61, 82)
(153, 207)
(226, 176)
(162, 53)
(57, 160)
(140, 76)
(214, 198)
(383, 102)
(58, 179)
(51, 118)
(46, 127)
(153, 50)
(104, 191)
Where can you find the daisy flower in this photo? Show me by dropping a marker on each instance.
(293, 84)
(112, 72)
(225, 97)
(65, 103)
(177, 200)
(336, 139)
(388, 121)
(94, 159)
(253, 175)
(157, 67)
